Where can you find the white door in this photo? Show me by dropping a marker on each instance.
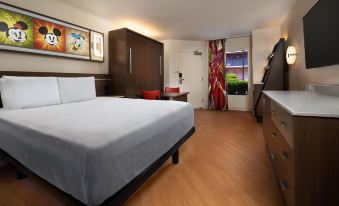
(191, 67)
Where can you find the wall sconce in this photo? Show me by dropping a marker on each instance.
(291, 55)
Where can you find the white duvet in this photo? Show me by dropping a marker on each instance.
(92, 149)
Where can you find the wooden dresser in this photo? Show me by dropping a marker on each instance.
(301, 131)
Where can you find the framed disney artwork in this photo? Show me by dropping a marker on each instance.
(26, 31)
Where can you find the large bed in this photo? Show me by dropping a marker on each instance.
(97, 150)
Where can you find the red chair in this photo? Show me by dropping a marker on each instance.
(151, 95)
(172, 89)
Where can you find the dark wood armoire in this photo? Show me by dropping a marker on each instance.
(135, 63)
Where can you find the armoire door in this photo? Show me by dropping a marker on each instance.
(136, 47)
(160, 56)
(153, 79)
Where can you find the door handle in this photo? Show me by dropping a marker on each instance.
(284, 155)
(283, 184)
(274, 135)
(130, 62)
(273, 157)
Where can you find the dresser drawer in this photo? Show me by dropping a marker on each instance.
(286, 187)
(284, 180)
(281, 154)
(285, 158)
(270, 137)
(282, 158)
(283, 121)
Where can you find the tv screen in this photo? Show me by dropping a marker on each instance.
(321, 31)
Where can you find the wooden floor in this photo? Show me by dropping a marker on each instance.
(224, 163)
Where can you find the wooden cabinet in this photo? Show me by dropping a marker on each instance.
(136, 63)
(304, 152)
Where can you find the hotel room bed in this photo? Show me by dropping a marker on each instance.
(92, 149)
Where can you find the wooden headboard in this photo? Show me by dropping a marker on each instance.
(102, 81)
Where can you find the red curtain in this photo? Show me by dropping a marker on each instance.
(217, 97)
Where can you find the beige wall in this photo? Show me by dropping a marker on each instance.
(26, 62)
(263, 41)
(171, 49)
(292, 29)
(241, 102)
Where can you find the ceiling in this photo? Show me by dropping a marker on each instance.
(189, 19)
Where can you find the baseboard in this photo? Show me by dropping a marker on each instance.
(240, 109)
(231, 109)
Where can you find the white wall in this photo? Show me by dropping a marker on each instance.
(171, 48)
(263, 41)
(11, 61)
(241, 102)
(292, 29)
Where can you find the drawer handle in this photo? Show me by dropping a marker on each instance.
(273, 112)
(274, 135)
(283, 124)
(273, 157)
(284, 155)
(283, 184)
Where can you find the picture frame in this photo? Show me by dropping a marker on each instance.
(97, 46)
(26, 31)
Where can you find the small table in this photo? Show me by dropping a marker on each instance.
(181, 96)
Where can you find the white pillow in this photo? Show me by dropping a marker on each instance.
(28, 92)
(76, 89)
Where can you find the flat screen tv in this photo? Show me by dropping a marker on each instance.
(321, 31)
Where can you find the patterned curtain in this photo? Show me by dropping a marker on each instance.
(217, 96)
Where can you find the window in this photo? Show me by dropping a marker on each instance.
(237, 72)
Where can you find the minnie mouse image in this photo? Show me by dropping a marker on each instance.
(51, 38)
(16, 33)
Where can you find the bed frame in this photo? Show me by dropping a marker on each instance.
(123, 194)
(103, 88)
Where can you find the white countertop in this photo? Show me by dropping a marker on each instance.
(306, 103)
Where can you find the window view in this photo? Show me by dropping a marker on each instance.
(237, 72)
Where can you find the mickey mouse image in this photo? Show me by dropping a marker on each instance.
(78, 41)
(16, 33)
(51, 38)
